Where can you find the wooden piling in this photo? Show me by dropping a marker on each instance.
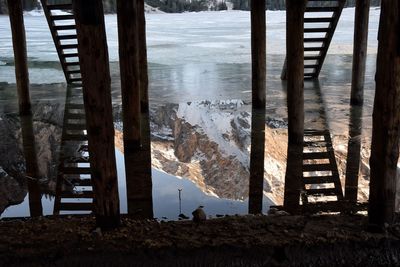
(386, 118)
(295, 100)
(134, 87)
(360, 51)
(96, 81)
(147, 183)
(258, 53)
(258, 57)
(256, 184)
(353, 154)
(20, 55)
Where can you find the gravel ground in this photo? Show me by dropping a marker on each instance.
(323, 240)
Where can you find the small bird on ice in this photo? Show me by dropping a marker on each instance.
(199, 215)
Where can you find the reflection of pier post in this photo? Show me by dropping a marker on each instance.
(28, 141)
(386, 118)
(96, 81)
(20, 55)
(258, 47)
(134, 86)
(353, 154)
(295, 100)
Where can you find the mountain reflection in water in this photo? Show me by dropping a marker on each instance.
(207, 142)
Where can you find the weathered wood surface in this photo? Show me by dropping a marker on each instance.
(258, 53)
(256, 183)
(258, 57)
(295, 101)
(360, 51)
(386, 118)
(134, 86)
(353, 153)
(20, 55)
(93, 55)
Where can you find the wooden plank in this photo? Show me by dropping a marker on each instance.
(78, 206)
(20, 55)
(74, 72)
(321, 9)
(317, 20)
(143, 207)
(71, 64)
(295, 100)
(313, 49)
(386, 118)
(64, 27)
(67, 37)
(318, 179)
(317, 167)
(59, 6)
(312, 57)
(314, 40)
(70, 55)
(258, 57)
(134, 82)
(96, 81)
(61, 17)
(51, 22)
(258, 54)
(332, 27)
(314, 30)
(74, 80)
(316, 155)
(70, 46)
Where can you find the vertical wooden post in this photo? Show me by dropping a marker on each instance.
(31, 165)
(20, 55)
(295, 100)
(96, 81)
(133, 67)
(258, 56)
(386, 118)
(360, 51)
(258, 53)
(353, 154)
(147, 184)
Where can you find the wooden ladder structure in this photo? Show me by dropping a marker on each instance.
(74, 191)
(321, 183)
(319, 165)
(61, 21)
(320, 20)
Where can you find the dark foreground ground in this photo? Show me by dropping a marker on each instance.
(230, 241)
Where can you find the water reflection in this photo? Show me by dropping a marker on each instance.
(256, 190)
(74, 193)
(207, 142)
(31, 173)
(353, 153)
